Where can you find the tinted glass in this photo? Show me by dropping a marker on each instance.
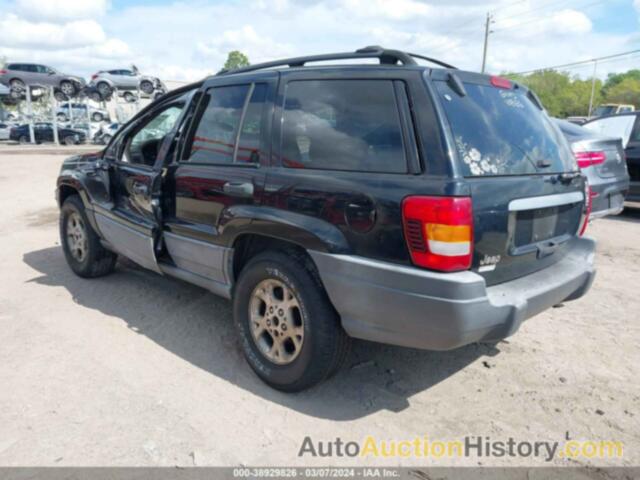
(349, 125)
(601, 111)
(501, 132)
(250, 135)
(572, 131)
(214, 139)
(145, 143)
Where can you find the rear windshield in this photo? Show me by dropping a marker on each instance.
(501, 132)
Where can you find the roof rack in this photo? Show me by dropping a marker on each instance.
(386, 57)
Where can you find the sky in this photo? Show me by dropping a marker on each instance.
(186, 40)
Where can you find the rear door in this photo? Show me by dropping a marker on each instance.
(221, 168)
(527, 192)
(346, 156)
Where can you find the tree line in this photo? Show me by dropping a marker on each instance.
(564, 95)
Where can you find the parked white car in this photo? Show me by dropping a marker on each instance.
(81, 111)
(5, 128)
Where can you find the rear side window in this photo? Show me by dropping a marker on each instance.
(351, 125)
(501, 132)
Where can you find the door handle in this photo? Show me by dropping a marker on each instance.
(236, 189)
(140, 189)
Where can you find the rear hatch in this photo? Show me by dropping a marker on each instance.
(614, 165)
(589, 145)
(526, 189)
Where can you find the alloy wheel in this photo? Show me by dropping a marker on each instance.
(77, 241)
(276, 321)
(67, 88)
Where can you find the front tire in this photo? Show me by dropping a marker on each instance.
(83, 251)
(290, 333)
(97, 117)
(68, 88)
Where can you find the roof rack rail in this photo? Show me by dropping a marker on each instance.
(386, 57)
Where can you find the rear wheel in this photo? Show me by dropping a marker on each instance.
(146, 87)
(23, 140)
(17, 85)
(69, 140)
(290, 332)
(81, 245)
(129, 97)
(97, 117)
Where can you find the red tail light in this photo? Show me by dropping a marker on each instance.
(587, 208)
(439, 232)
(94, 76)
(3, 71)
(588, 159)
(500, 82)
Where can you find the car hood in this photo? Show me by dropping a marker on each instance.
(84, 160)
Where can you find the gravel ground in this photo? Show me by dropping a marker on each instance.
(137, 369)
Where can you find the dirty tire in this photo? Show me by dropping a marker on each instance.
(98, 261)
(324, 344)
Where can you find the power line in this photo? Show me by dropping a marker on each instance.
(542, 19)
(567, 65)
(553, 3)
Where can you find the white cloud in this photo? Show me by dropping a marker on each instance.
(571, 22)
(61, 10)
(17, 32)
(257, 47)
(393, 10)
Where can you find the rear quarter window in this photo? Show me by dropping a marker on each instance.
(501, 132)
(350, 125)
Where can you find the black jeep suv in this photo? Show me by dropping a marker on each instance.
(416, 206)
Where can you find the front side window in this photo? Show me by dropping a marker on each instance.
(144, 145)
(351, 125)
(218, 137)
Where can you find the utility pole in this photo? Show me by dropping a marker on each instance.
(487, 32)
(593, 87)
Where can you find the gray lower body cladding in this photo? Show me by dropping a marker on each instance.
(406, 306)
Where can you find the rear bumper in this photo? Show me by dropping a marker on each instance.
(609, 199)
(406, 306)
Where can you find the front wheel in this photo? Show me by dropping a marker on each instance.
(290, 333)
(81, 245)
(68, 88)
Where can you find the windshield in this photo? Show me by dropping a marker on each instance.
(501, 132)
(602, 111)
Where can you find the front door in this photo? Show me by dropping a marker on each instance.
(221, 172)
(130, 220)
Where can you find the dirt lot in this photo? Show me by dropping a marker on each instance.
(137, 369)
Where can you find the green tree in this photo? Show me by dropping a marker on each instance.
(236, 59)
(561, 94)
(626, 91)
(614, 79)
